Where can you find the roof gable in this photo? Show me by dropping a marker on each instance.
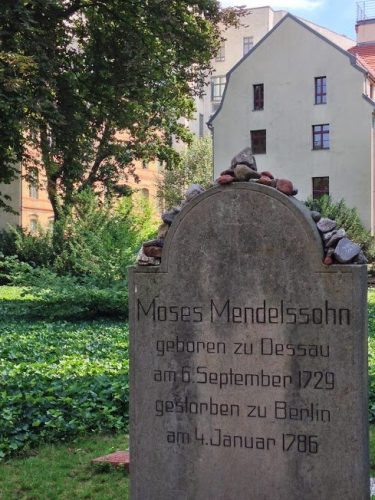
(306, 25)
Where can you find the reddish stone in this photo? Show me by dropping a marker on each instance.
(225, 179)
(266, 181)
(153, 251)
(328, 261)
(117, 459)
(267, 174)
(284, 186)
(227, 172)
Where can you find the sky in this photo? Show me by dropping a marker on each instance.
(336, 15)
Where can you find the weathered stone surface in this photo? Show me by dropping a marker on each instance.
(193, 191)
(285, 186)
(337, 236)
(169, 216)
(153, 251)
(246, 157)
(248, 358)
(163, 230)
(316, 215)
(225, 179)
(326, 225)
(346, 250)
(266, 181)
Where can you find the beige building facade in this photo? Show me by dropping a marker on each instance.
(238, 41)
(305, 105)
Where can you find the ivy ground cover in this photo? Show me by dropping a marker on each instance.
(59, 379)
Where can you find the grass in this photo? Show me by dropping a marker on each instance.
(64, 471)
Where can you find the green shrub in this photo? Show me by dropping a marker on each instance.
(87, 275)
(347, 218)
(102, 241)
(61, 379)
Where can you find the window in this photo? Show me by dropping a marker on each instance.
(220, 56)
(145, 193)
(33, 177)
(320, 186)
(248, 42)
(258, 92)
(321, 90)
(201, 125)
(258, 141)
(33, 225)
(217, 87)
(321, 136)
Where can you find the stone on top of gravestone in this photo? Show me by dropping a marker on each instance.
(245, 157)
(248, 358)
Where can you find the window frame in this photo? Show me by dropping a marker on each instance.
(247, 44)
(320, 92)
(323, 135)
(221, 82)
(258, 97)
(220, 56)
(316, 192)
(258, 140)
(33, 183)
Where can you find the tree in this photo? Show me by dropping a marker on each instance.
(195, 167)
(83, 70)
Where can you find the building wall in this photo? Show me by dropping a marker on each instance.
(14, 191)
(287, 62)
(365, 31)
(255, 24)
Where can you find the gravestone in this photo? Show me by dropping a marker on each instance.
(248, 358)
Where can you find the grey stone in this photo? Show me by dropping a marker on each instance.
(163, 230)
(248, 358)
(244, 173)
(169, 216)
(193, 191)
(245, 157)
(327, 236)
(154, 243)
(336, 237)
(316, 215)
(360, 259)
(144, 260)
(346, 250)
(326, 225)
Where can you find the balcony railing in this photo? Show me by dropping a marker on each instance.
(365, 10)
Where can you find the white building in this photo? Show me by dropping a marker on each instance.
(238, 41)
(303, 101)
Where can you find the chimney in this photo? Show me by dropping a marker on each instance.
(365, 26)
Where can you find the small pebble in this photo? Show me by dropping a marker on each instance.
(316, 216)
(326, 225)
(266, 181)
(193, 191)
(153, 251)
(346, 250)
(336, 237)
(225, 179)
(163, 230)
(246, 157)
(267, 174)
(328, 261)
(284, 186)
(170, 215)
